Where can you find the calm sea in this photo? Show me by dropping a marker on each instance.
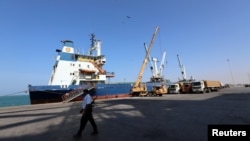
(14, 100)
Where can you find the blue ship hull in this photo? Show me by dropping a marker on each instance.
(51, 94)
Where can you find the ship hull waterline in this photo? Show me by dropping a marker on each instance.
(52, 94)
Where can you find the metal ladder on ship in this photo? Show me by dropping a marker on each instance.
(75, 93)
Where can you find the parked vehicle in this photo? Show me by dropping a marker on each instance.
(174, 89)
(180, 87)
(186, 87)
(247, 85)
(205, 86)
(158, 90)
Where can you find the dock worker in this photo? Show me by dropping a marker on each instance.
(86, 112)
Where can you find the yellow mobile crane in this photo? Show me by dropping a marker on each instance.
(138, 88)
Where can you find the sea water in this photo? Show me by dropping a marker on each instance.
(14, 100)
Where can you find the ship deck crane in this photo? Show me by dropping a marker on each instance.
(183, 72)
(138, 88)
(162, 62)
(156, 73)
(160, 75)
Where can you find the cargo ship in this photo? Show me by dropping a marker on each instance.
(74, 71)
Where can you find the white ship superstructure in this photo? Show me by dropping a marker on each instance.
(73, 68)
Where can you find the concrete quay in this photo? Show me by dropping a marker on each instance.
(173, 117)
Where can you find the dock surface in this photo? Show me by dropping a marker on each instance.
(172, 117)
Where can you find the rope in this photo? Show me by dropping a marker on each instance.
(25, 91)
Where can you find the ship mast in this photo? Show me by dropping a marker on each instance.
(95, 46)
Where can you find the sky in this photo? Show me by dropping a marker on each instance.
(212, 37)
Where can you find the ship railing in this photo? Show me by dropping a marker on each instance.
(73, 94)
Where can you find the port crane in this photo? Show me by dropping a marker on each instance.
(139, 88)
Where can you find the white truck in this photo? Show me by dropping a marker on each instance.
(204, 86)
(174, 88)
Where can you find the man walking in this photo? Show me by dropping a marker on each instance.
(86, 112)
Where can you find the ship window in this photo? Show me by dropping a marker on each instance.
(68, 43)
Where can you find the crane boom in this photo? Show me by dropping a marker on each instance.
(183, 72)
(136, 87)
(162, 62)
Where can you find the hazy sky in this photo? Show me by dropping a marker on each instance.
(205, 33)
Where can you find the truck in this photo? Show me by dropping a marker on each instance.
(180, 87)
(174, 88)
(186, 87)
(205, 86)
(158, 90)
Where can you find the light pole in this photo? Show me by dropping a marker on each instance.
(230, 69)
